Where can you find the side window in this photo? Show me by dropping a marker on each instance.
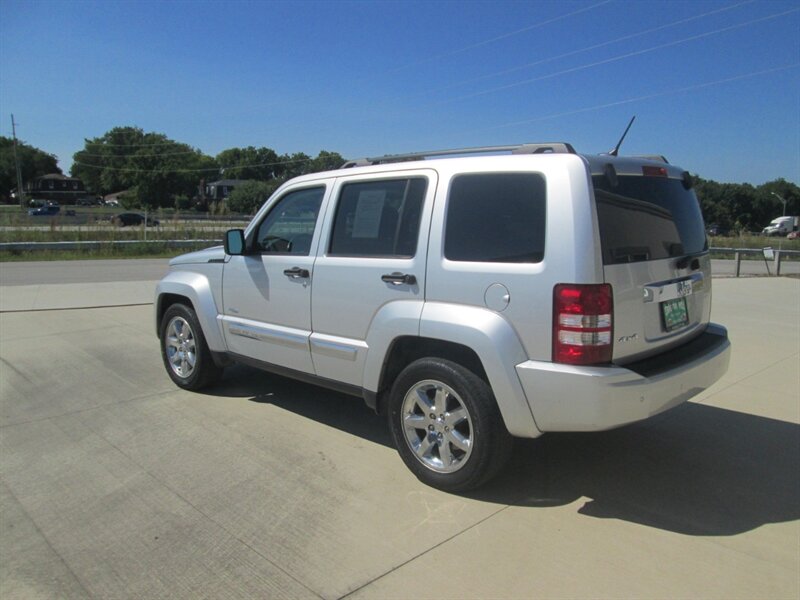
(496, 217)
(378, 218)
(289, 226)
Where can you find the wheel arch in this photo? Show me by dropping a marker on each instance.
(406, 349)
(194, 290)
(163, 303)
(476, 338)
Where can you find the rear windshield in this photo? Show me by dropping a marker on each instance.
(647, 218)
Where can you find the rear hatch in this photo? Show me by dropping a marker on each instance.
(655, 256)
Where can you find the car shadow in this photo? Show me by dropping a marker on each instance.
(697, 470)
(333, 409)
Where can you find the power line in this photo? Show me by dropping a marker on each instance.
(617, 58)
(586, 49)
(498, 38)
(641, 98)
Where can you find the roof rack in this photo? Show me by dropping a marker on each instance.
(544, 148)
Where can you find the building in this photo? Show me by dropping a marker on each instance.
(219, 190)
(56, 187)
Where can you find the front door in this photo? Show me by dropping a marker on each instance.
(267, 292)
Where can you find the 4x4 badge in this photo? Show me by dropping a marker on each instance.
(627, 338)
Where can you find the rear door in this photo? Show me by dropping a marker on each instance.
(371, 265)
(655, 256)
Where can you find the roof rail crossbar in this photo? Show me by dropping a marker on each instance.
(545, 148)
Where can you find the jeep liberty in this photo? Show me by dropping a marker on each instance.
(472, 298)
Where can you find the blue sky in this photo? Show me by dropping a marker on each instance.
(715, 85)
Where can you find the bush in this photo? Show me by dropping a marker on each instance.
(182, 202)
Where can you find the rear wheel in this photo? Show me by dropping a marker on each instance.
(184, 350)
(446, 425)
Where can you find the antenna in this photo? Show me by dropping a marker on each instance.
(615, 151)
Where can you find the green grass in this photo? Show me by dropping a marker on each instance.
(95, 233)
(754, 241)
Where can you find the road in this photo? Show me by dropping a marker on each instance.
(81, 271)
(116, 484)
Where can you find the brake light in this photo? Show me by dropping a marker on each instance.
(582, 323)
(654, 171)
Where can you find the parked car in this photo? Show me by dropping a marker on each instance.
(44, 211)
(132, 219)
(470, 299)
(717, 230)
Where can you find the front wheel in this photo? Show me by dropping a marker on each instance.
(183, 348)
(446, 425)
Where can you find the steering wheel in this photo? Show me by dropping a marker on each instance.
(273, 243)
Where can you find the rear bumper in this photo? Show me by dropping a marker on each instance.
(569, 398)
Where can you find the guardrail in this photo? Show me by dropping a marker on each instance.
(27, 246)
(767, 253)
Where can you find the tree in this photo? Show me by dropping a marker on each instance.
(249, 163)
(151, 165)
(33, 163)
(300, 163)
(294, 165)
(744, 207)
(325, 161)
(772, 190)
(249, 196)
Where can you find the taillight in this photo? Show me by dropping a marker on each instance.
(582, 323)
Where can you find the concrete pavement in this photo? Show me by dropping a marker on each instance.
(13, 274)
(115, 483)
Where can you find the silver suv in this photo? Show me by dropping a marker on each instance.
(472, 298)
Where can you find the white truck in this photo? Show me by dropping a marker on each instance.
(781, 226)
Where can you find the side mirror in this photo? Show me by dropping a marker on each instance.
(234, 242)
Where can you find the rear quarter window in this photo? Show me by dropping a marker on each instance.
(496, 217)
(647, 218)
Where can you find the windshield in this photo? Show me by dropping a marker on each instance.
(647, 218)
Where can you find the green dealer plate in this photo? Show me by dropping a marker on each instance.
(675, 313)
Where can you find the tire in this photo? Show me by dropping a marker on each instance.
(455, 447)
(184, 350)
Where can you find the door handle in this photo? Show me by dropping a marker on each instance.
(399, 279)
(297, 273)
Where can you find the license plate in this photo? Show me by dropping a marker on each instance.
(675, 313)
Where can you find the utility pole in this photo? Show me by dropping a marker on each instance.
(20, 191)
